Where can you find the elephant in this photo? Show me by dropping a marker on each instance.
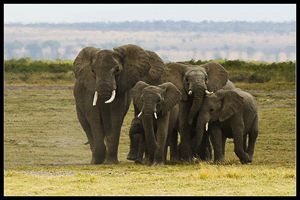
(158, 111)
(230, 114)
(194, 81)
(102, 92)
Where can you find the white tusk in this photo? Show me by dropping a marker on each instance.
(208, 92)
(95, 98)
(190, 92)
(113, 94)
(140, 114)
(206, 126)
(155, 115)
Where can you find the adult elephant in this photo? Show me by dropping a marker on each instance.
(102, 92)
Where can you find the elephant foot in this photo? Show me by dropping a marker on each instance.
(95, 161)
(131, 156)
(138, 161)
(111, 161)
(219, 161)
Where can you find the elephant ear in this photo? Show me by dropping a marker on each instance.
(137, 63)
(174, 73)
(83, 61)
(171, 96)
(232, 103)
(156, 67)
(217, 76)
(136, 93)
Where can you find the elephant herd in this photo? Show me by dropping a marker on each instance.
(196, 103)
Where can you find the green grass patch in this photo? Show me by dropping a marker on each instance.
(44, 152)
(30, 71)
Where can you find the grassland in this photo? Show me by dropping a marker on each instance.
(44, 151)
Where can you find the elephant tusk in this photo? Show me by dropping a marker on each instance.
(208, 92)
(140, 114)
(206, 126)
(190, 92)
(95, 98)
(155, 115)
(113, 94)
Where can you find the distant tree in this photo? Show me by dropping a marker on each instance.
(54, 46)
(34, 50)
(11, 49)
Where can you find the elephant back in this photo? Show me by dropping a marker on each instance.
(140, 64)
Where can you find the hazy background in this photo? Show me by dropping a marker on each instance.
(264, 32)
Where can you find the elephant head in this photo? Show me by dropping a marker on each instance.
(107, 73)
(155, 100)
(219, 106)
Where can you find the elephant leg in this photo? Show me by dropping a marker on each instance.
(245, 142)
(141, 149)
(205, 150)
(86, 127)
(136, 133)
(216, 139)
(252, 139)
(173, 146)
(98, 146)
(238, 145)
(224, 138)
(185, 146)
(161, 137)
(118, 109)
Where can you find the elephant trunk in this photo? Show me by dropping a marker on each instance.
(196, 105)
(201, 129)
(149, 135)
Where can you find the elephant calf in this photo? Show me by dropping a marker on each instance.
(230, 114)
(158, 110)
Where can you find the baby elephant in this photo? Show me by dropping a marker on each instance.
(158, 110)
(230, 114)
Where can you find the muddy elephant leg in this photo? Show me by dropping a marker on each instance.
(118, 109)
(205, 150)
(216, 138)
(185, 146)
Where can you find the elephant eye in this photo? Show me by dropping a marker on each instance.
(211, 110)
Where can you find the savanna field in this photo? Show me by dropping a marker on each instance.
(44, 151)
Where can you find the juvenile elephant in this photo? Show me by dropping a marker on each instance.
(158, 107)
(230, 114)
(102, 92)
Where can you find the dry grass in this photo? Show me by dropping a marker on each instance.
(44, 153)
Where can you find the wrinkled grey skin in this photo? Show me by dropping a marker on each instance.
(162, 100)
(105, 71)
(231, 114)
